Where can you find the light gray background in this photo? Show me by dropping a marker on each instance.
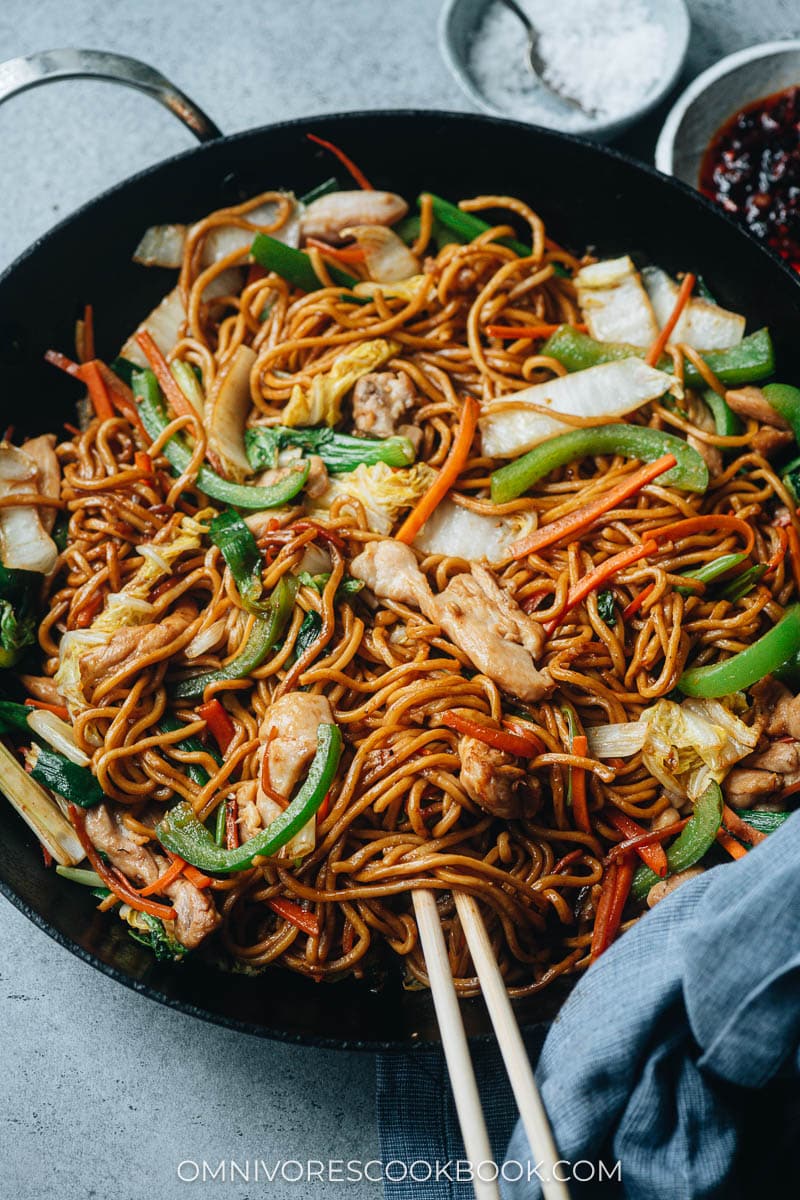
(103, 1092)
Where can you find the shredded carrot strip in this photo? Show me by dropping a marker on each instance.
(526, 331)
(580, 804)
(342, 254)
(144, 462)
(596, 578)
(219, 723)
(735, 825)
(324, 808)
(794, 553)
(113, 879)
(567, 860)
(681, 300)
(734, 848)
(345, 160)
(197, 877)
(653, 855)
(295, 915)
(59, 709)
(636, 603)
(57, 359)
(181, 405)
(172, 872)
(515, 742)
(452, 468)
(88, 333)
(646, 840)
(98, 394)
(89, 611)
(711, 523)
(577, 522)
(616, 888)
(780, 553)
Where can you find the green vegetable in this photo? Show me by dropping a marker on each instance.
(791, 478)
(182, 833)
(124, 369)
(18, 618)
(785, 399)
(241, 553)
(726, 421)
(220, 823)
(339, 451)
(694, 841)
(78, 875)
(76, 784)
(467, 226)
(153, 933)
(308, 632)
(188, 383)
(606, 607)
(294, 265)
(265, 634)
(191, 745)
(155, 421)
(764, 822)
(751, 360)
(743, 583)
(322, 189)
(348, 586)
(14, 718)
(773, 650)
(634, 441)
(709, 571)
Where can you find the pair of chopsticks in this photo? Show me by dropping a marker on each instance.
(456, 1050)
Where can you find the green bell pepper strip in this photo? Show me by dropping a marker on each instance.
(241, 553)
(694, 841)
(710, 571)
(690, 473)
(773, 650)
(726, 421)
(76, 784)
(466, 226)
(785, 399)
(751, 360)
(743, 583)
(178, 454)
(265, 634)
(339, 451)
(182, 833)
(294, 266)
(322, 189)
(764, 822)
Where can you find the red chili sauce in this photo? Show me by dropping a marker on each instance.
(752, 169)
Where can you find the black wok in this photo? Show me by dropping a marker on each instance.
(587, 195)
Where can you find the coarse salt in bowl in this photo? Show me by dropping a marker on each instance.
(616, 57)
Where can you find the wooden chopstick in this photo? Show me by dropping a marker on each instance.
(454, 1042)
(515, 1056)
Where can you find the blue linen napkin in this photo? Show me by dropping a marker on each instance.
(678, 1055)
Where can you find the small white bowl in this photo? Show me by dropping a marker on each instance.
(714, 97)
(457, 23)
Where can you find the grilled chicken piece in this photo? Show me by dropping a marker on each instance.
(662, 889)
(700, 415)
(326, 217)
(745, 786)
(288, 737)
(380, 401)
(42, 687)
(751, 402)
(128, 645)
(196, 915)
(768, 440)
(479, 616)
(317, 482)
(492, 778)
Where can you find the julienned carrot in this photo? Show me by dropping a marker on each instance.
(172, 872)
(452, 468)
(780, 553)
(60, 710)
(180, 404)
(567, 860)
(734, 848)
(739, 828)
(681, 300)
(596, 578)
(113, 879)
(793, 543)
(613, 898)
(342, 254)
(575, 522)
(57, 359)
(654, 856)
(219, 723)
(636, 603)
(345, 160)
(526, 331)
(580, 805)
(295, 915)
(709, 523)
(98, 393)
(512, 742)
(86, 327)
(197, 877)
(88, 611)
(118, 391)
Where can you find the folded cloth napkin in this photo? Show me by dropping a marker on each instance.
(655, 1059)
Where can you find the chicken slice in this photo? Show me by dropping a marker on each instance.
(745, 786)
(130, 644)
(288, 737)
(380, 401)
(492, 778)
(479, 616)
(42, 450)
(196, 917)
(751, 402)
(326, 217)
(777, 710)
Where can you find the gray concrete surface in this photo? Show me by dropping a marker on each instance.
(101, 1091)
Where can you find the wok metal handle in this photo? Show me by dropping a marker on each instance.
(19, 74)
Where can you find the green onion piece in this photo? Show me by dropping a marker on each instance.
(182, 833)
(743, 583)
(634, 441)
(751, 360)
(265, 634)
(709, 571)
(78, 875)
(322, 189)
(467, 226)
(694, 841)
(241, 553)
(764, 822)
(178, 454)
(294, 265)
(339, 451)
(76, 784)
(606, 607)
(785, 399)
(189, 384)
(773, 650)
(308, 632)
